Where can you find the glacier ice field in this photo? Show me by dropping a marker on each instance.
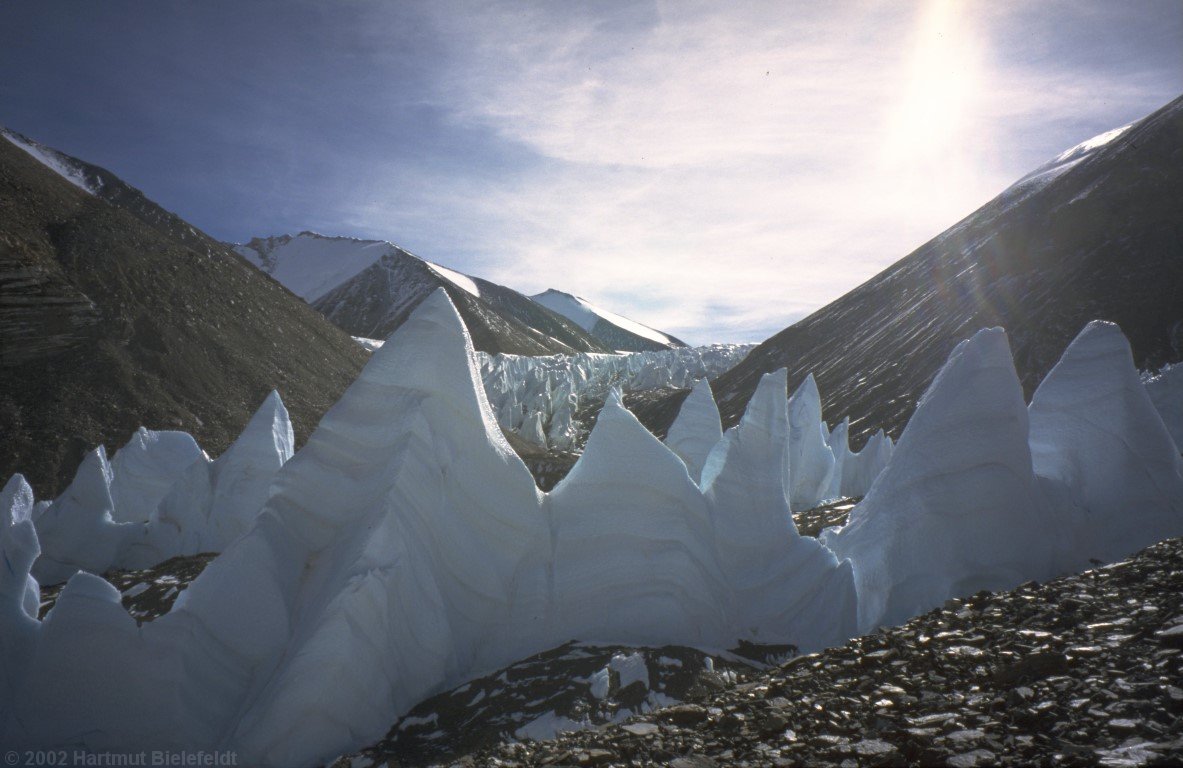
(406, 548)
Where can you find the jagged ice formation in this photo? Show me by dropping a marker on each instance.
(406, 548)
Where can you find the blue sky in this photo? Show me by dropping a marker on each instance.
(716, 170)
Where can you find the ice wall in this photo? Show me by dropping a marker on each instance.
(1166, 392)
(955, 511)
(696, 430)
(810, 456)
(1103, 452)
(787, 589)
(146, 468)
(982, 493)
(538, 397)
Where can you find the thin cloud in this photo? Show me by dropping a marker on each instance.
(748, 165)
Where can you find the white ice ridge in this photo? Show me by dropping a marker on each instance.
(538, 397)
(696, 430)
(955, 510)
(406, 548)
(160, 497)
(810, 457)
(983, 493)
(402, 550)
(1102, 450)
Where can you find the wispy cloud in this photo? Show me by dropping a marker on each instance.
(718, 172)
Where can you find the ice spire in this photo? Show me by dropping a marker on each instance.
(696, 430)
(955, 511)
(1103, 451)
(810, 457)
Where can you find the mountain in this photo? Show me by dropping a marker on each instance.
(116, 313)
(369, 287)
(1096, 233)
(105, 185)
(616, 332)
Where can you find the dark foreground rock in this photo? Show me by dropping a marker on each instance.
(148, 593)
(573, 687)
(1083, 670)
(812, 521)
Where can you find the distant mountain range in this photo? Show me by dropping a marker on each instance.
(117, 313)
(1097, 233)
(369, 287)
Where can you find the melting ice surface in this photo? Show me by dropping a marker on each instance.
(406, 548)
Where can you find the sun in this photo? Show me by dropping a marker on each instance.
(941, 81)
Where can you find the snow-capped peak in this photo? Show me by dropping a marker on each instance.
(585, 314)
(1069, 158)
(311, 264)
(61, 164)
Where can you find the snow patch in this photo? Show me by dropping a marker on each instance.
(53, 160)
(585, 314)
(463, 282)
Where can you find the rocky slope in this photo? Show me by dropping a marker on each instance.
(116, 315)
(370, 287)
(107, 186)
(1096, 233)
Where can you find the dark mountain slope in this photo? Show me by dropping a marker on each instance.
(108, 322)
(1097, 233)
(107, 186)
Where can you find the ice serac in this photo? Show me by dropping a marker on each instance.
(143, 471)
(955, 510)
(1166, 392)
(1103, 453)
(633, 559)
(859, 470)
(78, 531)
(20, 595)
(555, 388)
(787, 588)
(696, 430)
(810, 457)
(214, 502)
(840, 448)
(421, 541)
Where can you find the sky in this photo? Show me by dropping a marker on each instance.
(717, 170)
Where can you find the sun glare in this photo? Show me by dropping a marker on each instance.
(942, 80)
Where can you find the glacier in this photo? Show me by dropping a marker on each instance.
(538, 398)
(406, 548)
